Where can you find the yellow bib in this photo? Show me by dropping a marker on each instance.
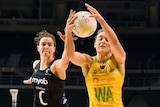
(104, 86)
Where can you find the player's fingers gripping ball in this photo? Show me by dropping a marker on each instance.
(85, 25)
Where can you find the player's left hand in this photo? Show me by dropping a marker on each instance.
(63, 36)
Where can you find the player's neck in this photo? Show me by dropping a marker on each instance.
(45, 63)
(103, 58)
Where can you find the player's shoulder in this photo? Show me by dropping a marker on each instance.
(35, 63)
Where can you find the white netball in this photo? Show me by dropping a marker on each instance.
(85, 25)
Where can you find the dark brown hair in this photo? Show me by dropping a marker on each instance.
(42, 34)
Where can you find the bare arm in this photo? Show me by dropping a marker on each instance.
(117, 49)
(29, 80)
(76, 58)
(60, 66)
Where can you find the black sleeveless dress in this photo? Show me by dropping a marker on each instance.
(48, 89)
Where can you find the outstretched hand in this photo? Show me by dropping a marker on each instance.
(69, 26)
(94, 12)
(63, 36)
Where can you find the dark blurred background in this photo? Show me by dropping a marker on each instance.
(136, 22)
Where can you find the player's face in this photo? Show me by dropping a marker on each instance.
(46, 47)
(102, 44)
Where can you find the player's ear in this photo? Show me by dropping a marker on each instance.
(37, 48)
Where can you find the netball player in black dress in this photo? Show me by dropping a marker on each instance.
(48, 78)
